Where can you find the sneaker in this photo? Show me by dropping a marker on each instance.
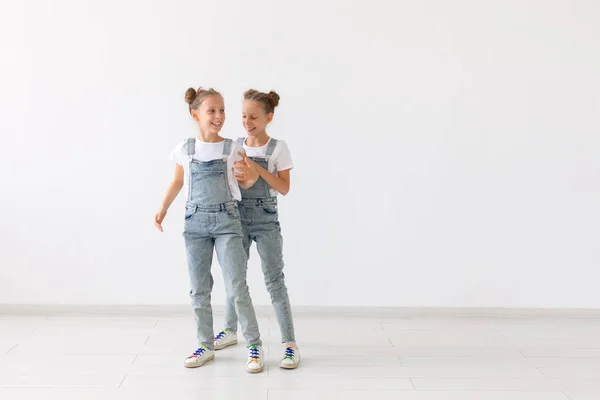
(199, 357)
(291, 358)
(255, 359)
(224, 339)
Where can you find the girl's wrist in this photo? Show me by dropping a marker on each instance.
(260, 170)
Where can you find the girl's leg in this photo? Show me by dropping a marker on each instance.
(199, 256)
(231, 317)
(269, 244)
(232, 257)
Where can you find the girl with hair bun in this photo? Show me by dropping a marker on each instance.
(260, 219)
(205, 165)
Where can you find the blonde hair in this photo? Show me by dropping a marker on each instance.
(268, 100)
(195, 97)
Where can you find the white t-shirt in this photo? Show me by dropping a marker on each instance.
(206, 151)
(281, 159)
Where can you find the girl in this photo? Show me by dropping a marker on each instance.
(258, 209)
(212, 220)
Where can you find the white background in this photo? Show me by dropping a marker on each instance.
(446, 152)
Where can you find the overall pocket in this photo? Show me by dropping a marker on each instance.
(189, 212)
(270, 209)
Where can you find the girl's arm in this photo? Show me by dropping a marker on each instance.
(172, 192)
(279, 182)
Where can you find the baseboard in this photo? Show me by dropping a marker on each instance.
(314, 311)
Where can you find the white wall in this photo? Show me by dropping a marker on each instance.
(447, 152)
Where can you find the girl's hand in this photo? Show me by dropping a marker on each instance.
(158, 218)
(246, 170)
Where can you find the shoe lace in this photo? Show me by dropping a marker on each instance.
(221, 335)
(199, 351)
(289, 353)
(254, 353)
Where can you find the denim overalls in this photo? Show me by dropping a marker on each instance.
(260, 223)
(212, 221)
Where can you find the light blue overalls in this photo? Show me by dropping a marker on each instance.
(260, 223)
(212, 221)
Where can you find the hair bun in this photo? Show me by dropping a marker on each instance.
(274, 98)
(190, 95)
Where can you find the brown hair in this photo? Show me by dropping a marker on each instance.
(268, 100)
(194, 97)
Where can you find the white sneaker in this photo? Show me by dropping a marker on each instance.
(199, 357)
(255, 359)
(224, 339)
(291, 358)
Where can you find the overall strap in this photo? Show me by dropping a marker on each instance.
(271, 148)
(190, 146)
(227, 148)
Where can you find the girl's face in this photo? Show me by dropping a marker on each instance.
(210, 115)
(254, 117)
